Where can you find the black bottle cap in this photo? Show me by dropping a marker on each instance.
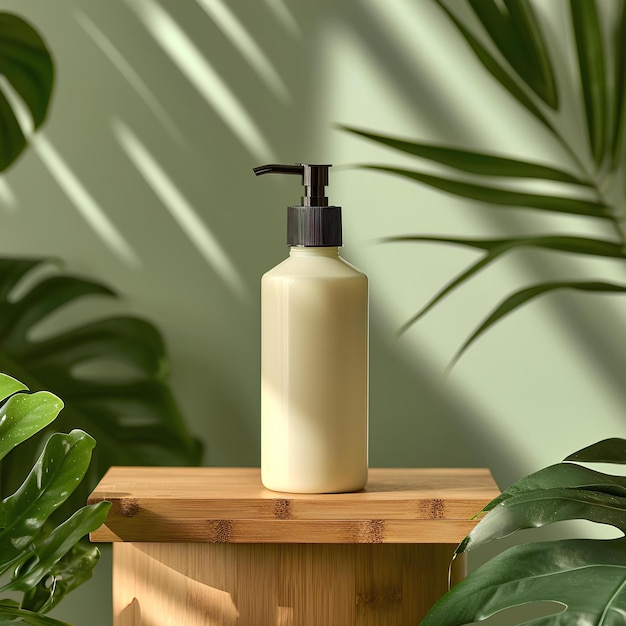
(313, 223)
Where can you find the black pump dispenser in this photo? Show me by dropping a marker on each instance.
(313, 223)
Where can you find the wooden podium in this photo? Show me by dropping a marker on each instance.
(212, 546)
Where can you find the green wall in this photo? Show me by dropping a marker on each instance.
(142, 178)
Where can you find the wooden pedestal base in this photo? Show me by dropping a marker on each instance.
(212, 547)
(197, 584)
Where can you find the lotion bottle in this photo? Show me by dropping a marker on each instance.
(314, 352)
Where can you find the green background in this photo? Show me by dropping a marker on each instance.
(142, 178)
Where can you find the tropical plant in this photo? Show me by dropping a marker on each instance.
(40, 560)
(514, 50)
(584, 579)
(111, 372)
(27, 65)
(126, 404)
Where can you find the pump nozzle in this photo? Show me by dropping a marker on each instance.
(313, 223)
(314, 179)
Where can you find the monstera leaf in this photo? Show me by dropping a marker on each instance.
(129, 408)
(127, 404)
(40, 560)
(584, 578)
(511, 46)
(26, 64)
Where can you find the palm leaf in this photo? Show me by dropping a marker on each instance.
(526, 23)
(559, 243)
(471, 161)
(499, 196)
(133, 415)
(26, 63)
(523, 296)
(495, 248)
(592, 72)
(515, 30)
(496, 69)
(619, 43)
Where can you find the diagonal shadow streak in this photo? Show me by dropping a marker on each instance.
(246, 45)
(122, 65)
(189, 59)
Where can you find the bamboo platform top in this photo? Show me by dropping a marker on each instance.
(230, 505)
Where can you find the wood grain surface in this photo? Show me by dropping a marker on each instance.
(230, 505)
(276, 585)
(209, 546)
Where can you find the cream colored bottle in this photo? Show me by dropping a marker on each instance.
(314, 347)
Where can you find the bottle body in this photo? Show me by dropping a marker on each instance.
(314, 374)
